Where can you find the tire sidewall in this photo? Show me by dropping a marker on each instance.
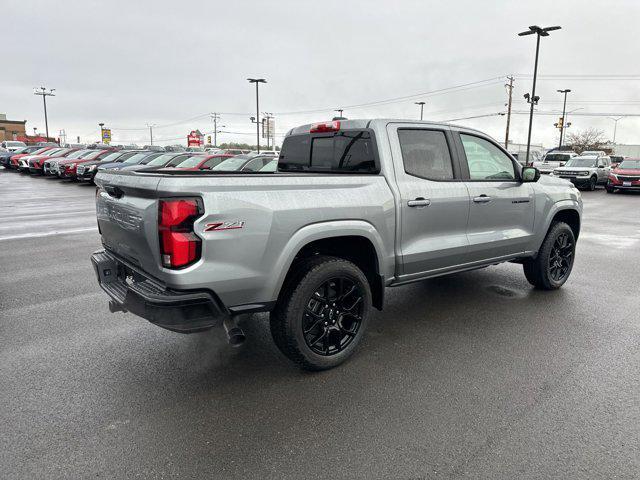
(312, 281)
(557, 231)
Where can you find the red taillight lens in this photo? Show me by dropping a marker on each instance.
(323, 127)
(179, 245)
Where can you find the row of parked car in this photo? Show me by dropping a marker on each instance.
(592, 168)
(82, 164)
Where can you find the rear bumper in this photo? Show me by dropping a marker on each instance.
(133, 291)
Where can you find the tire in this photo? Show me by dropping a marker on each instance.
(609, 189)
(316, 293)
(541, 271)
(593, 181)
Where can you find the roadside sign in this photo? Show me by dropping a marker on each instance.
(106, 135)
(195, 139)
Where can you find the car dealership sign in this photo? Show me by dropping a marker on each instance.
(195, 139)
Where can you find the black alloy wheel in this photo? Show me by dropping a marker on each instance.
(561, 257)
(333, 315)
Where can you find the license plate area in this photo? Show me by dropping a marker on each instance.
(626, 184)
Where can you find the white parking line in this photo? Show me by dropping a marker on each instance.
(48, 234)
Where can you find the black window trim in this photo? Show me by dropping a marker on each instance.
(374, 146)
(455, 164)
(517, 168)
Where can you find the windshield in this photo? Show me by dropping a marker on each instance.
(112, 157)
(78, 154)
(161, 160)
(54, 152)
(272, 166)
(90, 156)
(589, 162)
(232, 164)
(630, 165)
(557, 157)
(15, 144)
(137, 158)
(191, 162)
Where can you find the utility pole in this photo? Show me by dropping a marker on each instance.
(564, 111)
(510, 89)
(421, 108)
(533, 99)
(615, 126)
(267, 119)
(257, 81)
(150, 125)
(215, 117)
(42, 91)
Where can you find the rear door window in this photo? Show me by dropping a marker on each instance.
(425, 154)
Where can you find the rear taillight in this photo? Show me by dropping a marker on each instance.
(179, 245)
(323, 127)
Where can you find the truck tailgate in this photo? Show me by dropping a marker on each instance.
(127, 212)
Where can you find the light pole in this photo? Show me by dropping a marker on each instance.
(532, 99)
(257, 81)
(339, 110)
(564, 110)
(421, 108)
(615, 126)
(42, 91)
(101, 132)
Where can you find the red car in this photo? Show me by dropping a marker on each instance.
(21, 162)
(68, 168)
(14, 162)
(202, 162)
(36, 162)
(625, 176)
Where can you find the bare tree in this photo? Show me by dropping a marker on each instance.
(589, 139)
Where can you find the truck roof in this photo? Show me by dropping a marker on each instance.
(348, 124)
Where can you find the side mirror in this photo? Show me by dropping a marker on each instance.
(530, 174)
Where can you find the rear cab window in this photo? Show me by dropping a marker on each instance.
(342, 151)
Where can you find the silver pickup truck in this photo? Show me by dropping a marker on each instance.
(355, 206)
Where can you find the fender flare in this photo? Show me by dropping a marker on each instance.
(320, 231)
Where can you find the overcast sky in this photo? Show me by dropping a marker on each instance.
(129, 63)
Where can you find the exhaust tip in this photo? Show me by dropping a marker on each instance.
(235, 335)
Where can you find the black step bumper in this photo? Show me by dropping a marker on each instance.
(133, 291)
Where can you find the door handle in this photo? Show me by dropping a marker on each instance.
(419, 202)
(482, 199)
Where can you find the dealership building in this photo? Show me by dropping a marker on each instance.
(11, 129)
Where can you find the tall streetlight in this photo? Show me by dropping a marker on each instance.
(532, 99)
(257, 119)
(421, 108)
(42, 91)
(339, 110)
(564, 110)
(101, 132)
(615, 126)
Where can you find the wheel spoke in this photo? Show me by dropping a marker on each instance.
(317, 340)
(355, 303)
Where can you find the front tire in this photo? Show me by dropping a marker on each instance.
(609, 189)
(322, 312)
(553, 264)
(593, 181)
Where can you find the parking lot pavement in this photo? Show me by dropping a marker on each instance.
(475, 375)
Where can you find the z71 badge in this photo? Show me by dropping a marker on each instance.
(230, 225)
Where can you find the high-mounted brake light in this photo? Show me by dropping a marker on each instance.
(323, 127)
(179, 245)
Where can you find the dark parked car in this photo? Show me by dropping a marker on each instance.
(170, 159)
(87, 171)
(248, 163)
(140, 158)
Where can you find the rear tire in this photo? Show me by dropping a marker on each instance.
(322, 312)
(553, 264)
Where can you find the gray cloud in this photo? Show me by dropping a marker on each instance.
(128, 63)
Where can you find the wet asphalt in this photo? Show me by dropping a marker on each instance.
(475, 375)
